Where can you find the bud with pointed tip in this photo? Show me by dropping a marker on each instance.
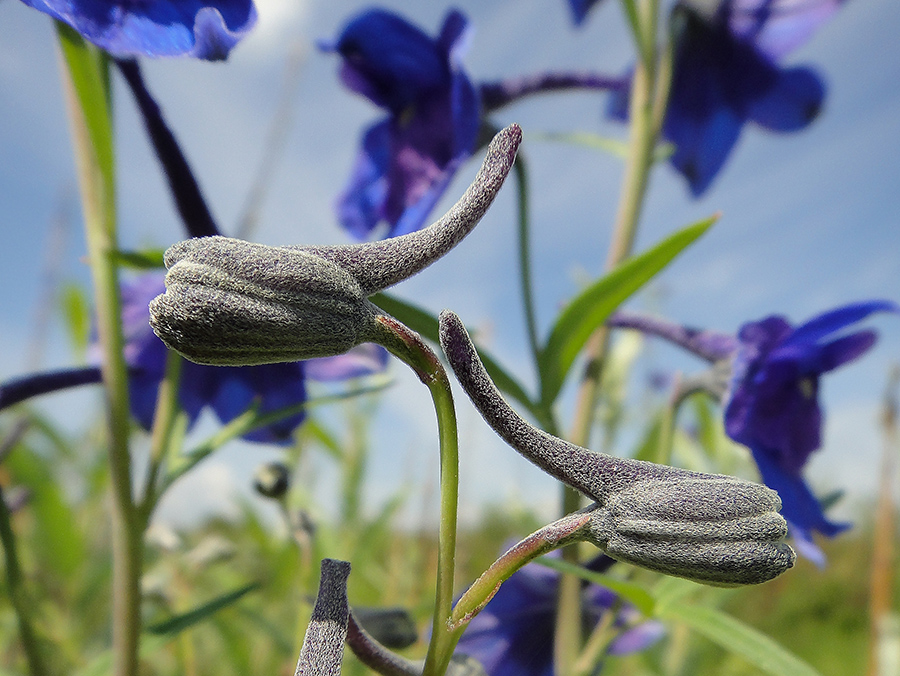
(705, 527)
(230, 302)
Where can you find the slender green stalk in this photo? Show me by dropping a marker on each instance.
(86, 86)
(408, 346)
(162, 434)
(646, 112)
(525, 278)
(15, 584)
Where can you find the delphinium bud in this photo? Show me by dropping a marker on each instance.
(272, 480)
(706, 527)
(230, 302)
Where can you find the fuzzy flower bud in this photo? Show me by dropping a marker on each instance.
(706, 527)
(230, 302)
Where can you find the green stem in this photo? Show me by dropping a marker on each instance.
(646, 111)
(525, 279)
(557, 534)
(408, 346)
(87, 91)
(161, 436)
(15, 583)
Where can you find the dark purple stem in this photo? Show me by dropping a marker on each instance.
(709, 345)
(495, 95)
(192, 208)
(19, 389)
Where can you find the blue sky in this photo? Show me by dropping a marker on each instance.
(810, 220)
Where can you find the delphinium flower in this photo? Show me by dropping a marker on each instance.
(407, 159)
(205, 29)
(727, 73)
(771, 405)
(513, 634)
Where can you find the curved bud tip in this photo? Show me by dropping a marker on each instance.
(230, 302)
(715, 530)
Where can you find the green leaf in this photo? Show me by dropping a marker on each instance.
(77, 316)
(151, 259)
(427, 325)
(636, 595)
(57, 537)
(589, 309)
(738, 638)
(179, 623)
(586, 140)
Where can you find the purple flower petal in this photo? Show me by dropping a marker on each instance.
(834, 320)
(799, 505)
(778, 27)
(513, 634)
(792, 101)
(580, 9)
(773, 405)
(271, 386)
(408, 160)
(362, 360)
(206, 29)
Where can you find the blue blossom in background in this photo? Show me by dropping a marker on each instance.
(513, 635)
(408, 159)
(205, 29)
(580, 9)
(228, 390)
(727, 73)
(773, 407)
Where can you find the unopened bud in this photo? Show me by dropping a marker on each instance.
(715, 530)
(230, 302)
(272, 480)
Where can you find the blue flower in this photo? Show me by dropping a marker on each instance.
(408, 159)
(726, 74)
(773, 403)
(580, 9)
(513, 634)
(228, 390)
(202, 29)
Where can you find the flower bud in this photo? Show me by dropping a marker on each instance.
(715, 530)
(230, 302)
(271, 480)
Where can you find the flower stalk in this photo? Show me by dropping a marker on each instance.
(87, 92)
(409, 347)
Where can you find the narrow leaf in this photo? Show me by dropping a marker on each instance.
(140, 260)
(179, 623)
(589, 309)
(426, 324)
(738, 638)
(636, 595)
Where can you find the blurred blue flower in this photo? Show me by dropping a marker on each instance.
(726, 73)
(580, 9)
(772, 402)
(513, 635)
(407, 159)
(205, 29)
(773, 407)
(228, 390)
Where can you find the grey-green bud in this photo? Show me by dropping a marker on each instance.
(706, 527)
(230, 302)
(716, 530)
